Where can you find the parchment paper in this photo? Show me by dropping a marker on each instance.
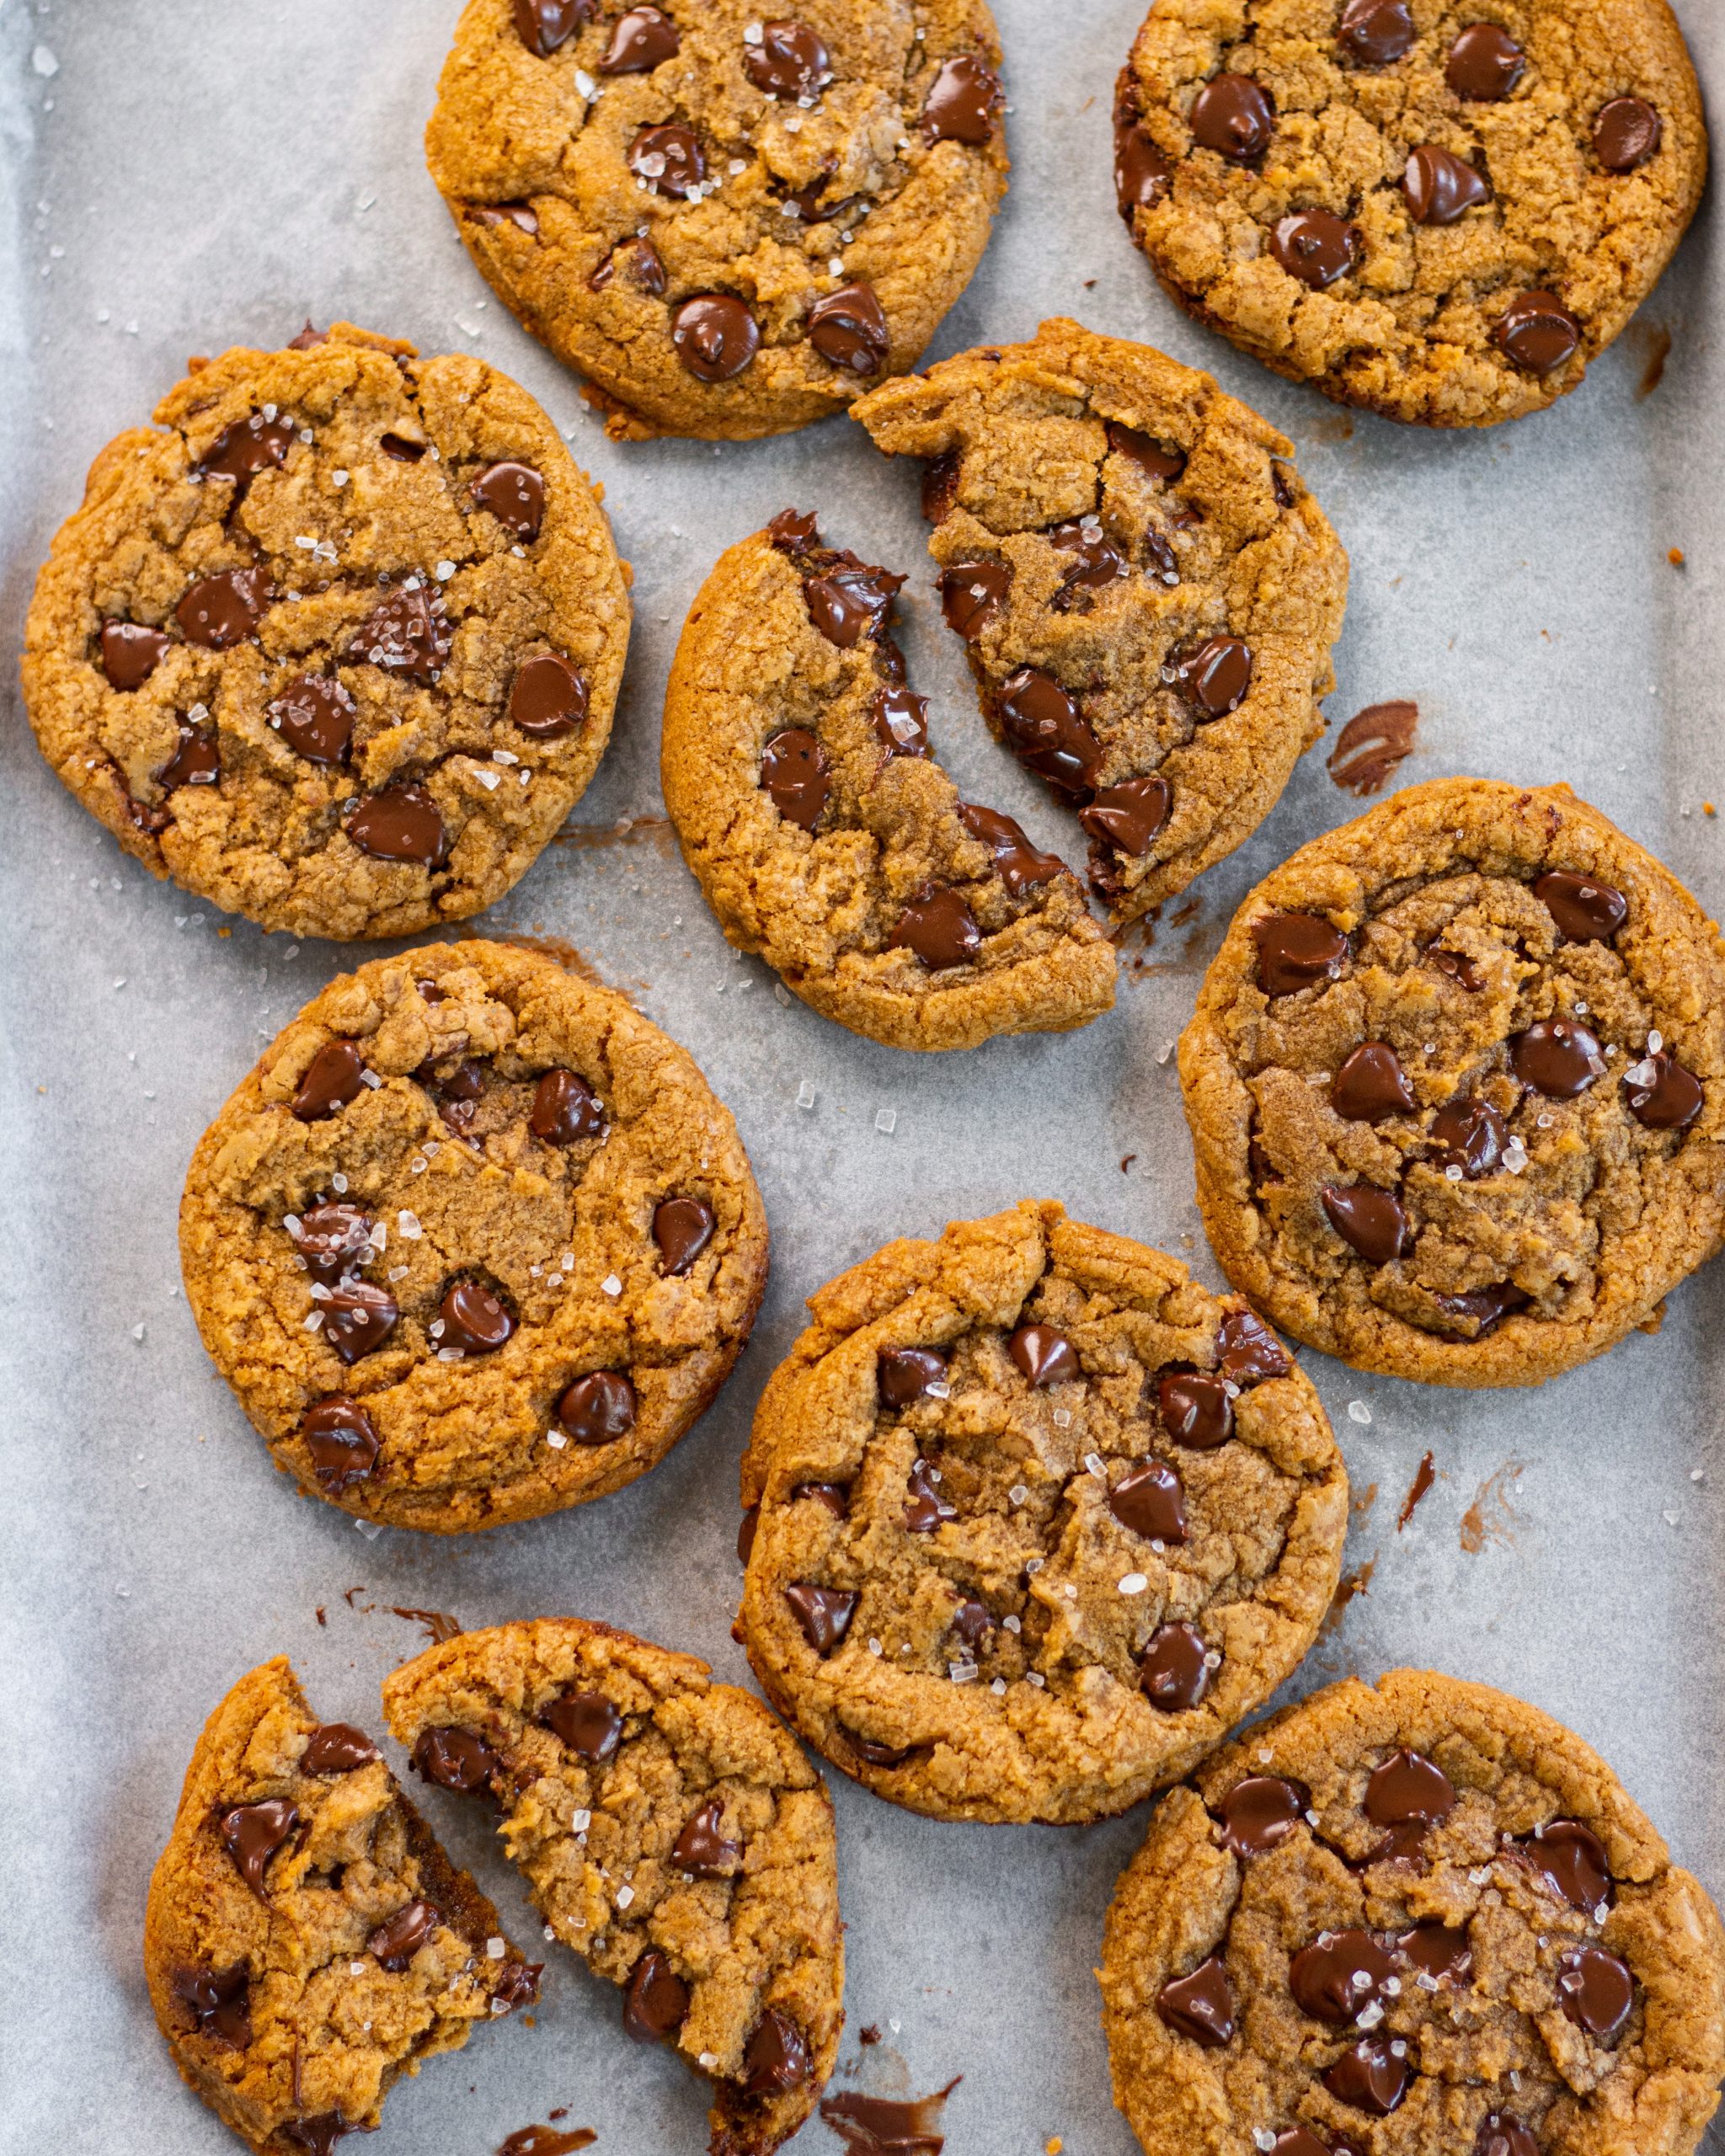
(182, 177)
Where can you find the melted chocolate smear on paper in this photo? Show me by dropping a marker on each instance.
(1350, 1584)
(546, 2141)
(889, 2126)
(1372, 745)
(1424, 1477)
(1491, 1517)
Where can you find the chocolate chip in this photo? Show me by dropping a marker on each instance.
(252, 1833)
(806, 205)
(962, 102)
(474, 1320)
(1149, 1502)
(1200, 2006)
(1474, 1315)
(903, 1375)
(682, 1228)
(599, 1408)
(776, 2058)
(1231, 115)
(1045, 730)
(1470, 1134)
(454, 1758)
(521, 215)
(358, 1319)
(640, 40)
(1128, 816)
(407, 632)
(939, 928)
(402, 448)
(849, 603)
(1458, 968)
(400, 822)
(197, 762)
(542, 25)
(1173, 1672)
(1595, 1990)
(831, 1496)
(333, 1077)
(1377, 32)
(315, 716)
(1298, 2141)
(1661, 1093)
(877, 1755)
(514, 494)
(517, 1984)
(1339, 1975)
(715, 336)
(940, 485)
(1485, 63)
(333, 1238)
(398, 1938)
(1373, 743)
(1153, 459)
(1626, 133)
(1315, 247)
(973, 1621)
(637, 262)
(849, 330)
(1440, 189)
(1214, 677)
(702, 1847)
(1557, 1057)
(786, 59)
(1142, 174)
(247, 447)
(565, 1109)
(927, 1508)
(1099, 561)
(793, 775)
(1259, 1813)
(218, 611)
(1195, 1409)
(218, 2001)
(656, 2002)
(792, 532)
(1501, 2133)
(586, 1722)
(747, 1528)
(670, 159)
(342, 1445)
(1585, 910)
(1021, 868)
(1043, 1355)
(1537, 331)
(337, 1748)
(1571, 1858)
(548, 697)
(1297, 951)
(1407, 1786)
(1248, 1351)
(900, 719)
(320, 2134)
(970, 593)
(1370, 2077)
(1368, 1219)
(1371, 1085)
(825, 1613)
(1437, 1950)
(130, 652)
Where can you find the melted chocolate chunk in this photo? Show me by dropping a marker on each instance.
(252, 1833)
(747, 1528)
(1200, 2006)
(197, 762)
(1214, 675)
(315, 716)
(970, 592)
(656, 2001)
(1377, 33)
(1476, 1313)
(548, 697)
(1297, 2141)
(398, 1938)
(637, 262)
(586, 1722)
(1248, 1351)
(1142, 174)
(220, 611)
(793, 775)
(702, 1847)
(334, 1077)
(337, 1748)
(320, 2134)
(1043, 1355)
(640, 40)
(474, 1320)
(542, 25)
(849, 330)
(599, 1408)
(962, 101)
(973, 1621)
(1501, 2133)
(714, 336)
(521, 215)
(247, 447)
(1129, 816)
(1571, 1858)
(1339, 1975)
(850, 602)
(333, 1238)
(1437, 1950)
(1046, 731)
(454, 1758)
(1557, 1057)
(901, 721)
(1295, 951)
(1596, 1991)
(1662, 1094)
(1099, 563)
(1020, 866)
(877, 1755)
(1315, 247)
(400, 822)
(786, 59)
(776, 2058)
(793, 533)
(1154, 460)
(670, 159)
(565, 1109)
(682, 1228)
(218, 2001)
(1371, 2076)
(940, 485)
(1368, 1219)
(1585, 910)
(825, 1613)
(1371, 1085)
(1440, 189)
(402, 448)
(1485, 64)
(1470, 1134)
(130, 652)
(1231, 115)
(903, 1375)
(1537, 331)
(338, 1434)
(1406, 1787)
(406, 632)
(1463, 971)
(1259, 1813)
(1626, 133)
(514, 494)
(1195, 1409)
(927, 1508)
(1151, 1502)
(831, 1496)
(939, 928)
(1173, 1672)
(358, 1319)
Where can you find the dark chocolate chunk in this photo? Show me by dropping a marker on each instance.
(901, 721)
(1368, 1219)
(1585, 910)
(542, 25)
(906, 1374)
(1557, 1057)
(1173, 1672)
(1259, 1813)
(1151, 1502)
(670, 159)
(343, 1444)
(1297, 951)
(1371, 1085)
(1537, 331)
(1440, 189)
(639, 41)
(1371, 2076)
(1043, 1355)
(333, 1238)
(969, 594)
(218, 2001)
(599, 1408)
(939, 928)
(585, 1721)
(1485, 63)
(1021, 866)
(337, 1748)
(1661, 1093)
(715, 336)
(1376, 33)
(548, 697)
(1470, 1134)
(850, 602)
(793, 775)
(1626, 133)
(1231, 115)
(702, 1847)
(400, 822)
(565, 1109)
(406, 632)
(219, 611)
(656, 2000)
(315, 716)
(962, 101)
(1128, 816)
(1339, 1974)
(1200, 2006)
(1195, 1409)
(1046, 731)
(398, 1938)
(334, 1077)
(454, 1758)
(130, 652)
(358, 1319)
(1248, 1351)
(1216, 676)
(849, 330)
(473, 1320)
(1595, 1990)
(252, 1833)
(682, 1228)
(1315, 247)
(786, 60)
(825, 1613)
(776, 2058)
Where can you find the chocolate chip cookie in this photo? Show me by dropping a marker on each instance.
(1438, 209)
(336, 644)
(1412, 1919)
(731, 224)
(306, 1942)
(474, 1243)
(1035, 1521)
(1457, 1085)
(1147, 593)
(797, 770)
(671, 1833)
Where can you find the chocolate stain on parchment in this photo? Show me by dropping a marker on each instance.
(437, 1625)
(1363, 1502)
(1491, 1517)
(889, 2126)
(1424, 1477)
(1372, 744)
(1655, 339)
(546, 2141)
(626, 831)
(1357, 1582)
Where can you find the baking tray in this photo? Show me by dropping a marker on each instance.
(178, 178)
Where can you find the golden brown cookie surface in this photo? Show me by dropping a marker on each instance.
(1454, 1086)
(1419, 1919)
(1147, 593)
(1439, 210)
(474, 1243)
(1040, 1520)
(731, 223)
(306, 1941)
(337, 645)
(672, 1835)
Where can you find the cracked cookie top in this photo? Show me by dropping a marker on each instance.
(1038, 1520)
(732, 224)
(797, 768)
(306, 1941)
(1147, 593)
(336, 645)
(474, 1243)
(672, 1835)
(1454, 1086)
(1417, 1919)
(1440, 210)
